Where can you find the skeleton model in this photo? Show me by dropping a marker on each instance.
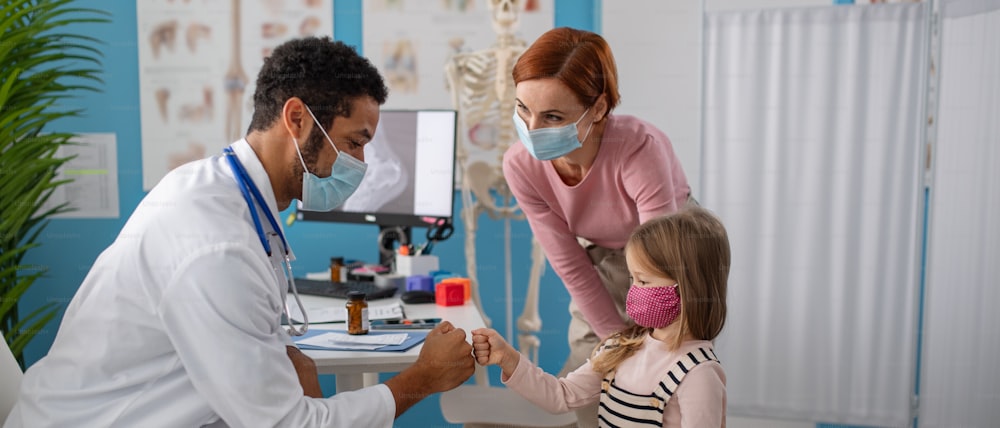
(235, 79)
(482, 91)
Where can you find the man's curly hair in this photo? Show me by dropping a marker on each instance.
(326, 74)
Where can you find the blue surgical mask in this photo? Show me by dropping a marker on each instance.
(550, 143)
(325, 194)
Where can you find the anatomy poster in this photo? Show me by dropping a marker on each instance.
(198, 61)
(411, 41)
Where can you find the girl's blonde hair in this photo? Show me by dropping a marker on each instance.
(692, 247)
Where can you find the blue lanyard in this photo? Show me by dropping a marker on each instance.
(248, 188)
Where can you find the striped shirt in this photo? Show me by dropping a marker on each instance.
(621, 408)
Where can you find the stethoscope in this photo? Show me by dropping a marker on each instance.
(248, 188)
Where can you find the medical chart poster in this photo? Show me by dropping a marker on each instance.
(198, 62)
(93, 169)
(411, 41)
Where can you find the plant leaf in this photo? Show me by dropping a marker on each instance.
(43, 64)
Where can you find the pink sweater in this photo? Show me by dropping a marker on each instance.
(636, 176)
(700, 400)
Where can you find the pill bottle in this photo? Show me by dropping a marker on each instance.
(336, 266)
(357, 313)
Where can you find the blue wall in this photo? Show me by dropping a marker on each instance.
(69, 247)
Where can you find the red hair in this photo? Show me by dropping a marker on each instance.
(581, 60)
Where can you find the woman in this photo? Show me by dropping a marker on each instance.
(586, 178)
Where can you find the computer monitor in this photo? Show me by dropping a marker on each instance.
(410, 176)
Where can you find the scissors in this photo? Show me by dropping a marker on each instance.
(440, 230)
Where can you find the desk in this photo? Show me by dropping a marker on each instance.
(357, 369)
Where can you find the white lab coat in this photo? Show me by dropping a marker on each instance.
(178, 323)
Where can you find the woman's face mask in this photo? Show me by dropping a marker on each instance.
(325, 194)
(550, 143)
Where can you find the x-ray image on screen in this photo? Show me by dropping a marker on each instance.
(388, 185)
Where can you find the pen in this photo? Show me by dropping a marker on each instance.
(425, 323)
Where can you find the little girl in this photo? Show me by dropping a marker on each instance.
(661, 371)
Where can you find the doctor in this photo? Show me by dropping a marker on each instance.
(178, 321)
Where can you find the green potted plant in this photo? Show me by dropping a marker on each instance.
(41, 64)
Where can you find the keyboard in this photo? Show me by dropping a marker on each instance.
(339, 290)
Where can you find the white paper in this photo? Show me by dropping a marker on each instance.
(319, 276)
(385, 312)
(378, 339)
(324, 314)
(93, 193)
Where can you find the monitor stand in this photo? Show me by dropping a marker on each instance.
(388, 236)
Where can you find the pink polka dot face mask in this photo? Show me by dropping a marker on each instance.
(654, 307)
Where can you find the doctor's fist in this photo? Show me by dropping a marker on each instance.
(446, 357)
(445, 362)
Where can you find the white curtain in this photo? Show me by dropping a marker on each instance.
(960, 373)
(813, 129)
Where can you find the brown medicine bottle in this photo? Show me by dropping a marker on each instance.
(357, 313)
(336, 265)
